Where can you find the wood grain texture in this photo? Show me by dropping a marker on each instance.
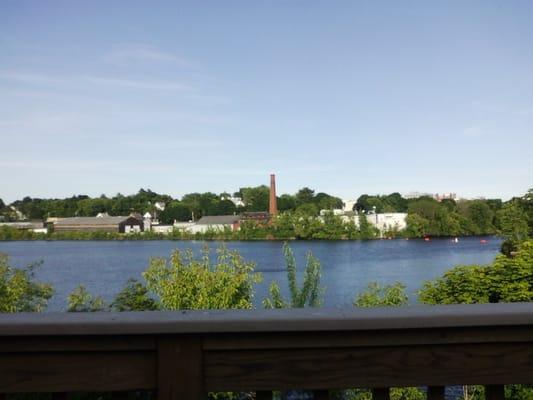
(281, 320)
(295, 340)
(180, 373)
(66, 372)
(26, 344)
(369, 367)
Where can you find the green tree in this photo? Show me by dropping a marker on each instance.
(368, 203)
(417, 226)
(286, 202)
(175, 211)
(366, 230)
(305, 195)
(185, 283)
(80, 300)
(134, 297)
(255, 198)
(513, 222)
(19, 291)
(326, 202)
(481, 216)
(381, 296)
(507, 279)
(310, 294)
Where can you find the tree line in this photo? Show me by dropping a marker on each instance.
(298, 218)
(190, 206)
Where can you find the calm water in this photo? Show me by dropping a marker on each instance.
(347, 267)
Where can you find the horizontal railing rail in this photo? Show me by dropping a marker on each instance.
(186, 354)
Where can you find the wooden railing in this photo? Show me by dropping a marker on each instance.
(184, 355)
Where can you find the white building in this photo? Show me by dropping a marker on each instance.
(387, 221)
(348, 205)
(215, 223)
(164, 229)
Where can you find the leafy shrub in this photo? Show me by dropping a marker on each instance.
(310, 293)
(80, 300)
(19, 292)
(184, 283)
(380, 296)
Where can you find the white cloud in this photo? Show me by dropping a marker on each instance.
(84, 165)
(158, 143)
(29, 77)
(473, 131)
(40, 79)
(143, 53)
(138, 84)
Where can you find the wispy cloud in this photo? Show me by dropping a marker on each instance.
(86, 165)
(138, 84)
(142, 53)
(176, 144)
(29, 78)
(473, 131)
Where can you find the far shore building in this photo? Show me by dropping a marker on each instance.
(33, 226)
(216, 222)
(388, 221)
(104, 223)
(382, 221)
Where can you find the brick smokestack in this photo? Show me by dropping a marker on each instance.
(273, 209)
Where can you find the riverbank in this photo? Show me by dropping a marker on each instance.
(11, 234)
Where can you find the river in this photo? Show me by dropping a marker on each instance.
(347, 266)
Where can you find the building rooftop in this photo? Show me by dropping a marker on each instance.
(218, 220)
(91, 221)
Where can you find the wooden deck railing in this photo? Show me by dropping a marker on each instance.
(184, 355)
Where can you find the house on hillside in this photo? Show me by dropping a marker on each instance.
(104, 223)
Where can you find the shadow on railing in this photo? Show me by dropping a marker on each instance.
(184, 355)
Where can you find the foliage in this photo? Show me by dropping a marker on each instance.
(366, 230)
(134, 297)
(513, 222)
(310, 294)
(80, 300)
(405, 393)
(507, 279)
(381, 296)
(298, 219)
(19, 292)
(185, 283)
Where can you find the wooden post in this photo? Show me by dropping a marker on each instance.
(435, 393)
(380, 394)
(180, 371)
(494, 392)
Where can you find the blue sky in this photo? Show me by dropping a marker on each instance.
(344, 97)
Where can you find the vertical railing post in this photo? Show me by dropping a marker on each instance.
(180, 370)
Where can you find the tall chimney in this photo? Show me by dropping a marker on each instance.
(273, 209)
